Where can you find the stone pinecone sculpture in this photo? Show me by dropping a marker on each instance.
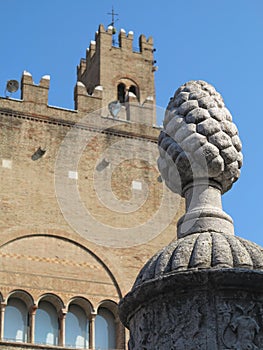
(199, 139)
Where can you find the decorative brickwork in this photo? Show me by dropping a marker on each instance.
(42, 252)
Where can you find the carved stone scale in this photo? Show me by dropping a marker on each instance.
(204, 291)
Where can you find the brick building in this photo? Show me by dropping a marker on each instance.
(82, 201)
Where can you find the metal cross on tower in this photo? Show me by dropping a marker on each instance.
(113, 21)
(113, 14)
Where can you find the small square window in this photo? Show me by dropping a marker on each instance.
(73, 175)
(137, 185)
(7, 163)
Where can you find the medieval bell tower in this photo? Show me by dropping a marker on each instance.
(121, 73)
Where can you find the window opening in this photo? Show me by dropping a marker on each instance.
(16, 320)
(105, 330)
(46, 327)
(121, 92)
(77, 328)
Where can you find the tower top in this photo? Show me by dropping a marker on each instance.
(125, 73)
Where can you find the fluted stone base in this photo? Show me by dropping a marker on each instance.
(206, 310)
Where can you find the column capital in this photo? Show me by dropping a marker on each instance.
(63, 312)
(33, 309)
(3, 304)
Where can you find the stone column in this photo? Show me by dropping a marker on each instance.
(92, 330)
(62, 321)
(3, 306)
(32, 315)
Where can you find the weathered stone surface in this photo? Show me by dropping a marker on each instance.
(229, 154)
(187, 106)
(184, 131)
(203, 291)
(197, 115)
(237, 143)
(220, 140)
(198, 310)
(198, 109)
(229, 128)
(208, 127)
(192, 142)
(174, 125)
(206, 250)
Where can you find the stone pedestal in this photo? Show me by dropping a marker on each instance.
(205, 290)
(206, 310)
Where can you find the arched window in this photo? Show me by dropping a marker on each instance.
(134, 90)
(77, 328)
(16, 320)
(105, 330)
(46, 324)
(121, 92)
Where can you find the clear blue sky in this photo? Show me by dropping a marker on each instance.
(220, 41)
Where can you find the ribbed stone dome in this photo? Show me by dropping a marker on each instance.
(206, 250)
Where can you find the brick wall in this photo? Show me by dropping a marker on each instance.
(84, 217)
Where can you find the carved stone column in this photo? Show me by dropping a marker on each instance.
(205, 290)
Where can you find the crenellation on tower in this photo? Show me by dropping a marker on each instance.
(82, 65)
(127, 76)
(92, 49)
(85, 102)
(125, 41)
(31, 92)
(105, 36)
(146, 46)
(101, 29)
